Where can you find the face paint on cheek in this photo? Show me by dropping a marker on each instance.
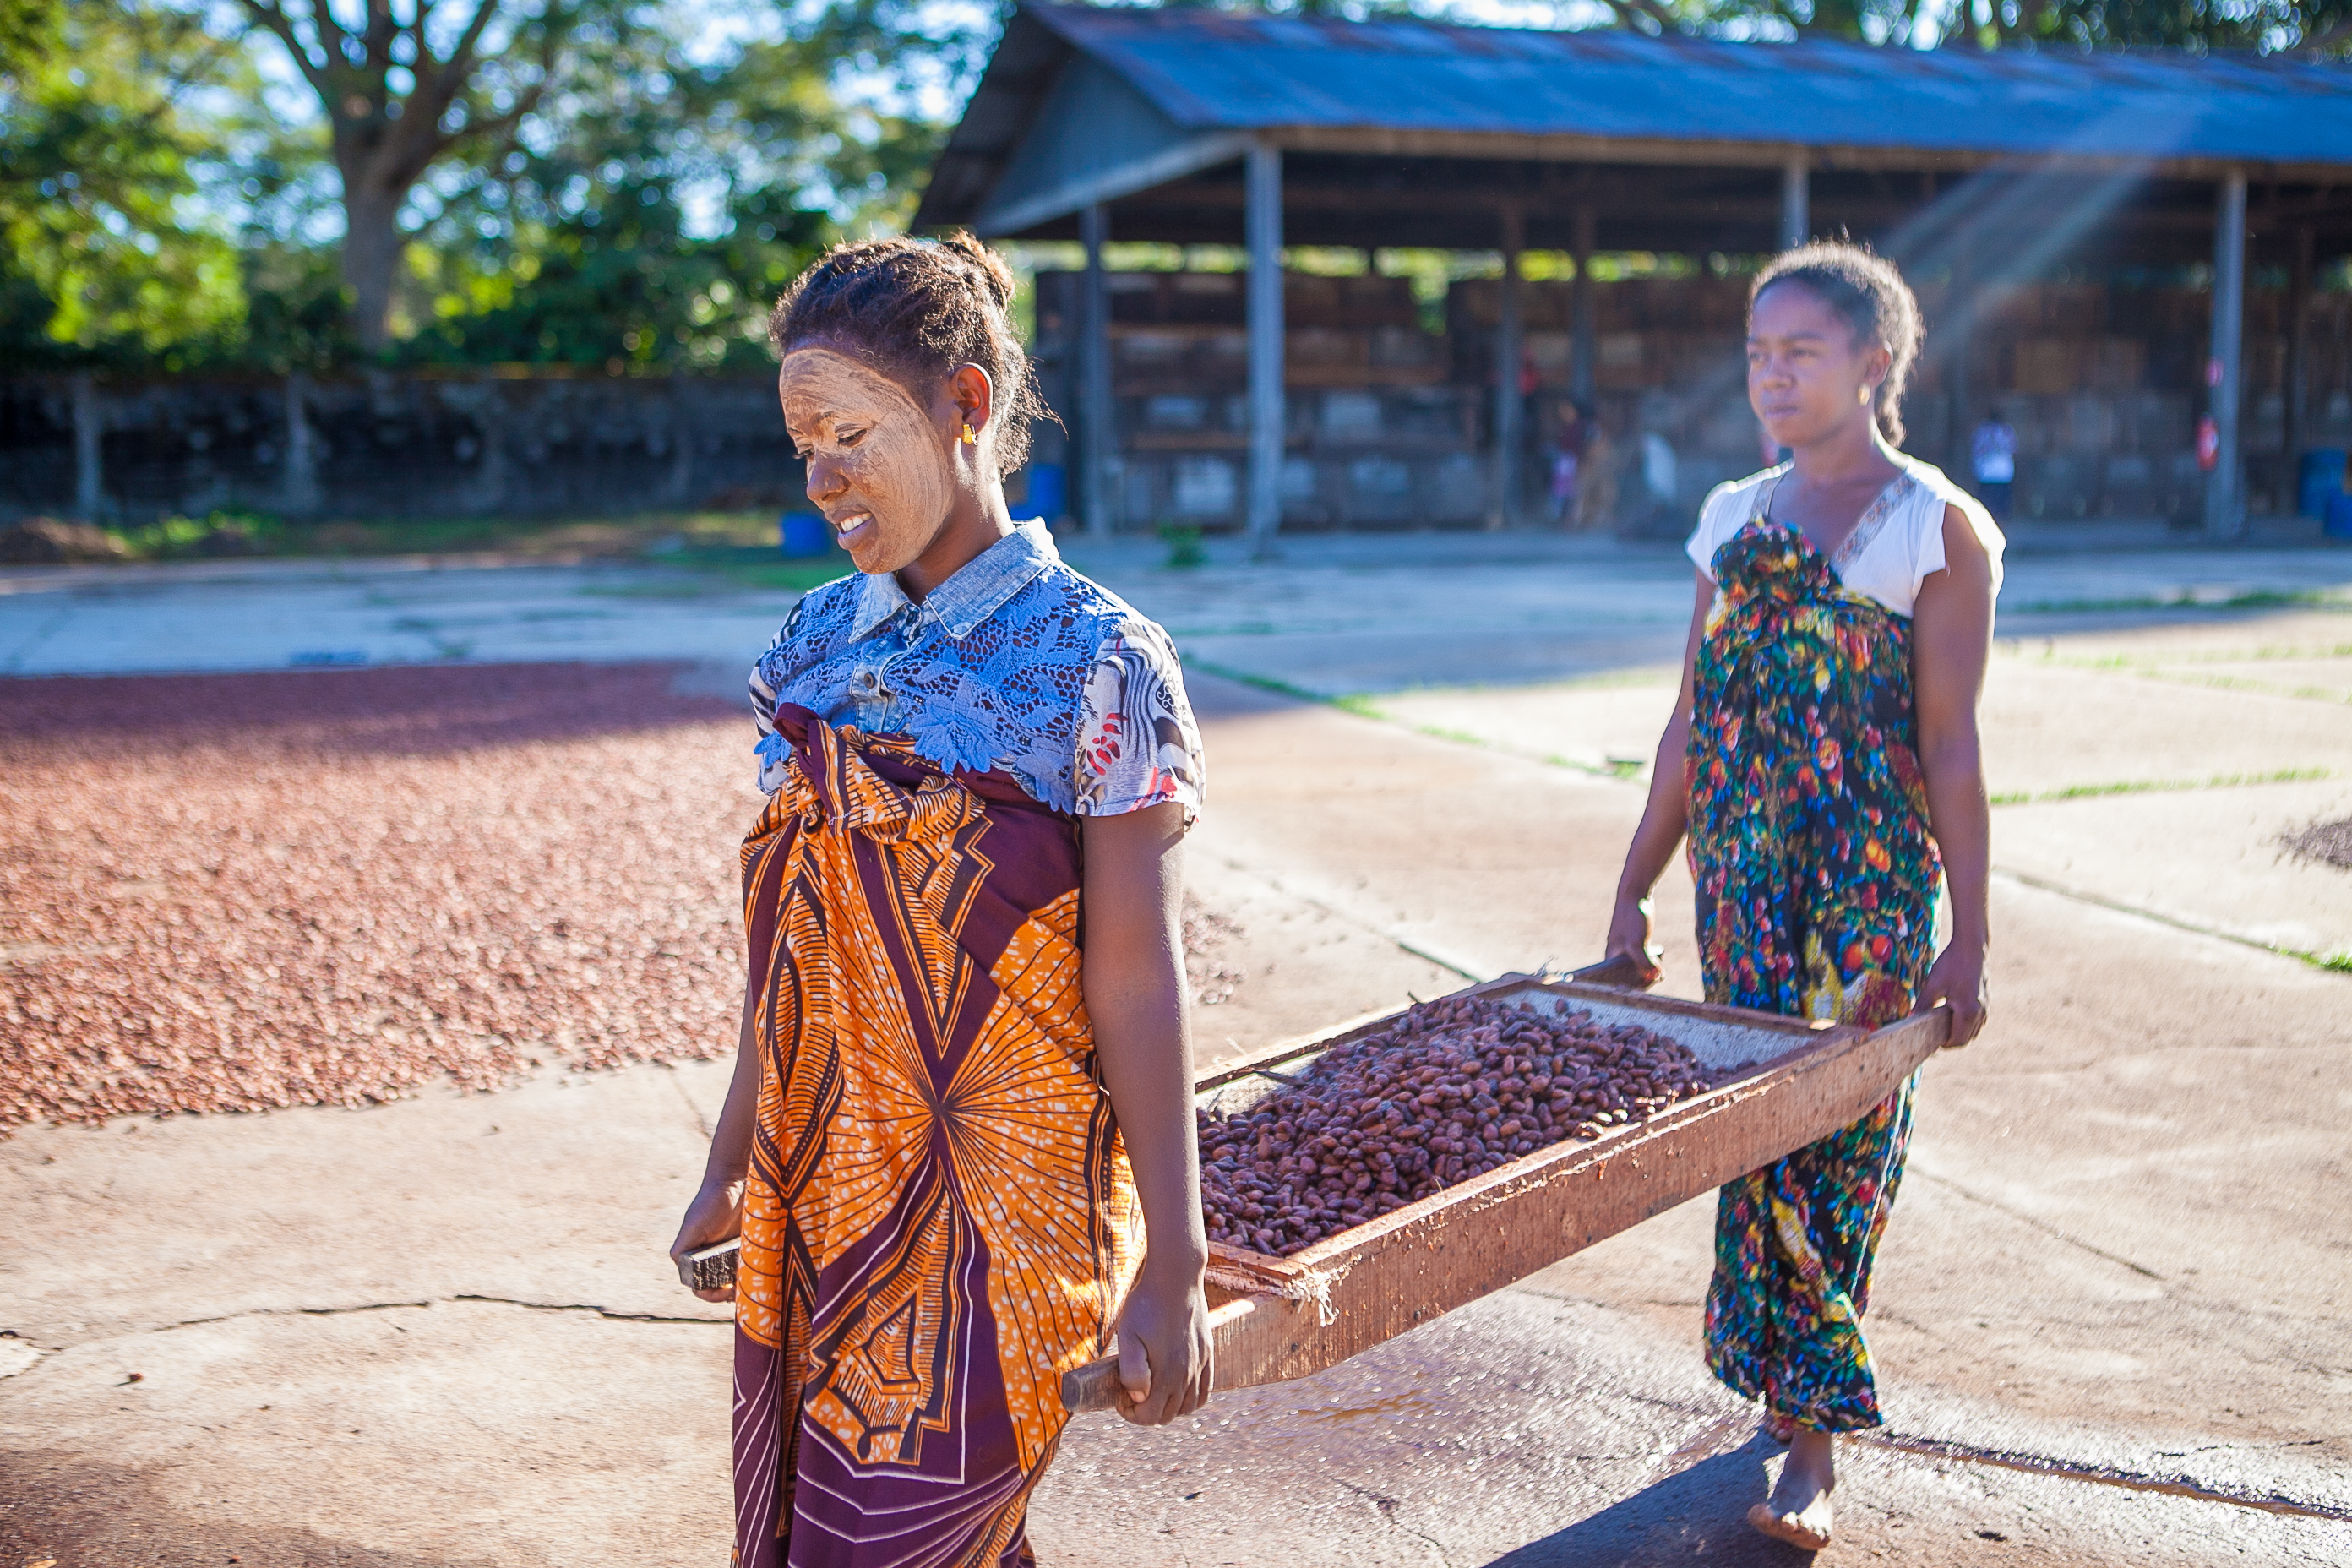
(899, 485)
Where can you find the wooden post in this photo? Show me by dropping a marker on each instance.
(1796, 200)
(90, 478)
(1263, 225)
(1582, 379)
(1504, 509)
(1098, 440)
(2225, 509)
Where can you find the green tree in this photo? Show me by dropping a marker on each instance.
(404, 88)
(2268, 24)
(105, 253)
(648, 213)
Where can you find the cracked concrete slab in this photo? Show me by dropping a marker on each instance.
(2210, 858)
(2036, 736)
(458, 1432)
(2120, 1253)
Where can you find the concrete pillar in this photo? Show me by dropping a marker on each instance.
(301, 477)
(1583, 380)
(2298, 363)
(1266, 415)
(1796, 202)
(90, 478)
(2225, 506)
(1956, 330)
(1504, 509)
(1098, 440)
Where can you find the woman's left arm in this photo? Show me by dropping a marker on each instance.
(1951, 638)
(1132, 972)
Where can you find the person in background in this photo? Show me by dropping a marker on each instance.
(959, 1147)
(1567, 458)
(1824, 761)
(1661, 473)
(1596, 478)
(1993, 452)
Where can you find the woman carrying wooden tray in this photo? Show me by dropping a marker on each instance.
(969, 752)
(1823, 758)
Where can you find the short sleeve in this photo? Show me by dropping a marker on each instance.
(765, 680)
(1929, 559)
(1720, 516)
(1137, 743)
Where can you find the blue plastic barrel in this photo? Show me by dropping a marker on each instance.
(2318, 481)
(1049, 491)
(2338, 521)
(804, 534)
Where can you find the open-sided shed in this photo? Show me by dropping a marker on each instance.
(1195, 126)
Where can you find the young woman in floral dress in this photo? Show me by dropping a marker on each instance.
(1822, 759)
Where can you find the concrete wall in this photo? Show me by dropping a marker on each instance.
(384, 446)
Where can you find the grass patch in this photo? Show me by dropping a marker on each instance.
(2159, 787)
(760, 566)
(2240, 683)
(2169, 668)
(2251, 599)
(247, 532)
(1280, 688)
(1366, 707)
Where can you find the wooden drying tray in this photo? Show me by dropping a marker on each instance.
(1274, 1318)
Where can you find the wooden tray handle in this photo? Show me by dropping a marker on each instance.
(1095, 1385)
(1916, 1037)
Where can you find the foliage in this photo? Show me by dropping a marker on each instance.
(574, 245)
(100, 149)
(2268, 24)
(621, 184)
(399, 93)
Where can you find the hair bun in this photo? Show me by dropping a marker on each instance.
(991, 265)
(915, 309)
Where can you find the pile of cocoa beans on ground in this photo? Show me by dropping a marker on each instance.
(1452, 1090)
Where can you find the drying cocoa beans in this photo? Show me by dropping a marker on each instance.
(1452, 1090)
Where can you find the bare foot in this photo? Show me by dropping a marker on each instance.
(1799, 1511)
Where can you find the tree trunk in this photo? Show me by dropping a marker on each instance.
(372, 246)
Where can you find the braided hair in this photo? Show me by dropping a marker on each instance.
(1869, 295)
(915, 309)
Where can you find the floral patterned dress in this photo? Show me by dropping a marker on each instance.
(1817, 881)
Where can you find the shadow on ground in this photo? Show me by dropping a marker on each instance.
(1697, 1514)
(75, 1510)
(404, 710)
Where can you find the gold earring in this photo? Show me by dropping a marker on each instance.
(969, 438)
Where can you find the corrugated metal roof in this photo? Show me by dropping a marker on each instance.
(1212, 70)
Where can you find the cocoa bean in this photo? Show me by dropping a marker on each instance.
(1450, 1091)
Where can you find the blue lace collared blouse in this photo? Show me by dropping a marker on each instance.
(1014, 662)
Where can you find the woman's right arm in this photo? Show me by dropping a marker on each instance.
(716, 1211)
(1667, 813)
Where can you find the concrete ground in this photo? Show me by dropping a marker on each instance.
(2112, 1318)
